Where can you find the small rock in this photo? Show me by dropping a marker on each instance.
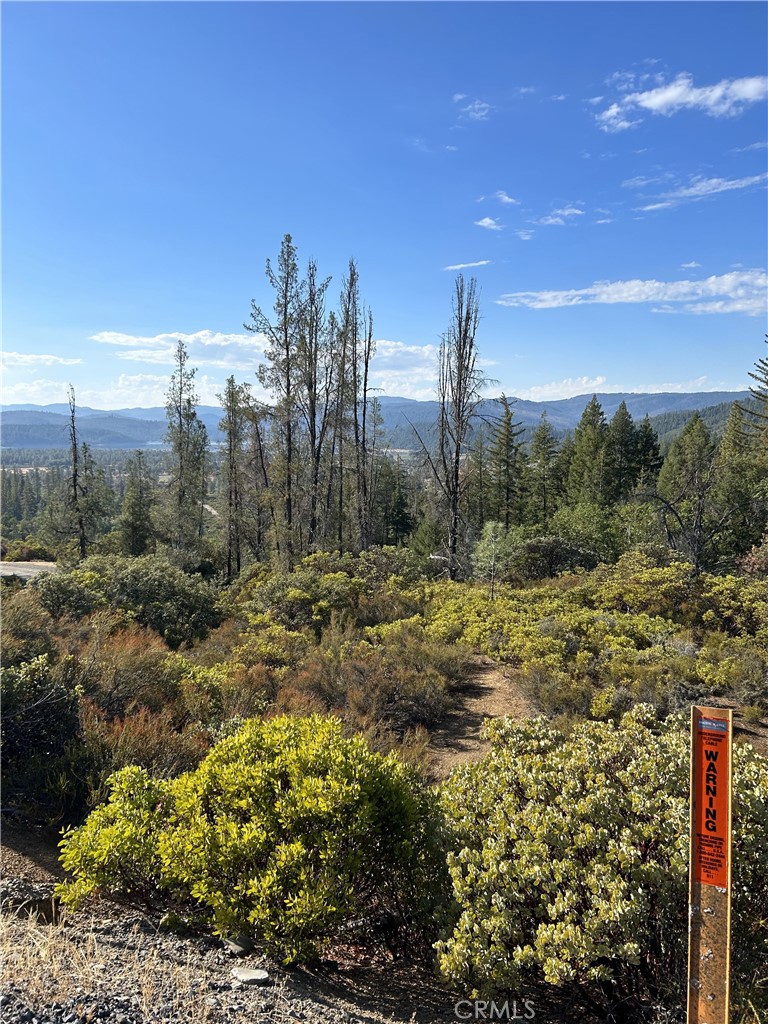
(250, 975)
(239, 946)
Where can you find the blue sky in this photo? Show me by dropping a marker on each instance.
(599, 167)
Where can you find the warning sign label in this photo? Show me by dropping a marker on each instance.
(710, 792)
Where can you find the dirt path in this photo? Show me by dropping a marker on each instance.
(489, 693)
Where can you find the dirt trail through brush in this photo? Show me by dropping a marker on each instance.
(488, 693)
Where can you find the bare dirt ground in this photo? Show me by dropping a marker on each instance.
(489, 693)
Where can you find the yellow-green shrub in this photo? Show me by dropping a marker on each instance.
(570, 860)
(287, 830)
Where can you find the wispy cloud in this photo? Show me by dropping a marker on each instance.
(501, 196)
(558, 99)
(562, 215)
(701, 188)
(477, 110)
(726, 98)
(464, 266)
(571, 387)
(751, 148)
(459, 96)
(490, 223)
(693, 265)
(35, 359)
(737, 292)
(525, 235)
(127, 391)
(643, 181)
(206, 348)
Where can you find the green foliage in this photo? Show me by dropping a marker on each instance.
(372, 587)
(26, 628)
(39, 711)
(157, 594)
(287, 830)
(643, 632)
(570, 860)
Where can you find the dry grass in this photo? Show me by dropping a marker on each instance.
(55, 963)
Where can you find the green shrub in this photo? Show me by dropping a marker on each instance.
(571, 860)
(39, 717)
(39, 712)
(287, 830)
(157, 594)
(27, 628)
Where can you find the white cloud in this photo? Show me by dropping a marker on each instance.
(452, 149)
(205, 348)
(464, 266)
(727, 98)
(558, 99)
(502, 196)
(128, 391)
(594, 100)
(490, 223)
(407, 371)
(571, 387)
(693, 265)
(736, 292)
(477, 110)
(700, 188)
(562, 215)
(525, 90)
(458, 96)
(35, 359)
(604, 220)
(525, 235)
(749, 149)
(641, 181)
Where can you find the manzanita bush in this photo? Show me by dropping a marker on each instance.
(287, 830)
(570, 860)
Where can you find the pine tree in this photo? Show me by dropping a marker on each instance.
(506, 467)
(180, 515)
(622, 461)
(589, 472)
(236, 404)
(544, 482)
(278, 376)
(740, 489)
(134, 526)
(648, 454)
(685, 493)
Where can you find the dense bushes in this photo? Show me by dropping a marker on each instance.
(286, 830)
(598, 642)
(157, 594)
(571, 860)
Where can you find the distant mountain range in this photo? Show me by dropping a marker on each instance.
(46, 426)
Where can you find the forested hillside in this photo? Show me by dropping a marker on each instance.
(226, 690)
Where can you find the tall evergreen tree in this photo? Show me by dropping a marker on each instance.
(622, 451)
(134, 527)
(589, 472)
(544, 482)
(647, 453)
(235, 401)
(181, 514)
(506, 467)
(686, 483)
